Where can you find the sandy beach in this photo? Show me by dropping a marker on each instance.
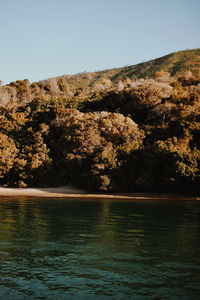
(70, 192)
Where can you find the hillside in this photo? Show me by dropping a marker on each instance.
(176, 64)
(136, 134)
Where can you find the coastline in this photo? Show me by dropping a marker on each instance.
(71, 193)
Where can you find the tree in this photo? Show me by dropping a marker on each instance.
(8, 152)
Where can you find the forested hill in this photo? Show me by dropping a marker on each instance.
(122, 133)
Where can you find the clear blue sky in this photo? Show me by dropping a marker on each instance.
(46, 38)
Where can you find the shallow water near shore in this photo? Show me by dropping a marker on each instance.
(99, 249)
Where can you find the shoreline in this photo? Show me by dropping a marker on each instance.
(71, 193)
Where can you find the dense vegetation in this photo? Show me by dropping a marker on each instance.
(131, 134)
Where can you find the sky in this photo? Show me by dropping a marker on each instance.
(40, 39)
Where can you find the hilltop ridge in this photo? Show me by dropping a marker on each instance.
(175, 64)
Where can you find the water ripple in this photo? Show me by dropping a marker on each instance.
(63, 249)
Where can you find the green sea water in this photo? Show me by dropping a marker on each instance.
(99, 249)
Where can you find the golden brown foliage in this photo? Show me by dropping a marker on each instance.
(8, 152)
(126, 135)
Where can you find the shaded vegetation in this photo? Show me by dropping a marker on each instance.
(135, 134)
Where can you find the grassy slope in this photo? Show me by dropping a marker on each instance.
(175, 63)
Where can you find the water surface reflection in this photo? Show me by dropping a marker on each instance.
(84, 249)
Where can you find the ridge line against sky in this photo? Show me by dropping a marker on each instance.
(48, 38)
